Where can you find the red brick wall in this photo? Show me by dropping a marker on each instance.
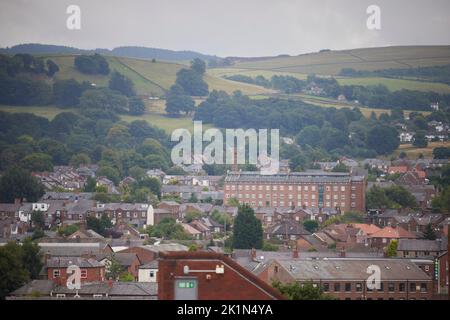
(253, 199)
(134, 269)
(93, 274)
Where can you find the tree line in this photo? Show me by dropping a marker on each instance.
(374, 96)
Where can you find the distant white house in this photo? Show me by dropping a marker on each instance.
(406, 137)
(148, 272)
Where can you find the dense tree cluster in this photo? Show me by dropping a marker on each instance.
(339, 131)
(392, 197)
(19, 263)
(374, 96)
(36, 144)
(92, 64)
(26, 63)
(191, 80)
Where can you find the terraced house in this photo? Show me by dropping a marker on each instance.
(314, 189)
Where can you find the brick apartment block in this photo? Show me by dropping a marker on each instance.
(298, 189)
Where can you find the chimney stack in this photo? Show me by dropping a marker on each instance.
(234, 167)
(295, 252)
(253, 254)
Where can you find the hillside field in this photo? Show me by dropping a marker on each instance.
(150, 78)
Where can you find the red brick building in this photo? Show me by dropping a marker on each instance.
(297, 189)
(208, 276)
(91, 269)
(383, 237)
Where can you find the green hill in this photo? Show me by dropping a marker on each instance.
(332, 62)
(150, 78)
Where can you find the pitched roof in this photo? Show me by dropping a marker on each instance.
(393, 233)
(230, 263)
(288, 228)
(44, 287)
(189, 229)
(64, 262)
(126, 258)
(151, 265)
(62, 249)
(366, 228)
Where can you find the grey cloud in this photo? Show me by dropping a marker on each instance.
(231, 27)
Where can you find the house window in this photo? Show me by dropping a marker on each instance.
(326, 287)
(423, 287)
(152, 274)
(358, 286)
(337, 287)
(401, 287)
(381, 287)
(56, 274)
(391, 287)
(348, 287)
(412, 287)
(275, 269)
(60, 295)
(83, 273)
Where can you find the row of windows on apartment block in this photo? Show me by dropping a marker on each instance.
(391, 287)
(99, 214)
(290, 196)
(282, 188)
(291, 203)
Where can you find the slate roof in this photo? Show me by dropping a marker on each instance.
(289, 228)
(42, 286)
(125, 258)
(62, 249)
(64, 262)
(421, 245)
(293, 177)
(352, 269)
(151, 265)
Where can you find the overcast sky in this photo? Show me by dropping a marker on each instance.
(226, 27)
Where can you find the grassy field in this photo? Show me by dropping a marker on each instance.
(154, 115)
(413, 152)
(331, 103)
(397, 84)
(150, 78)
(48, 112)
(332, 62)
(391, 84)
